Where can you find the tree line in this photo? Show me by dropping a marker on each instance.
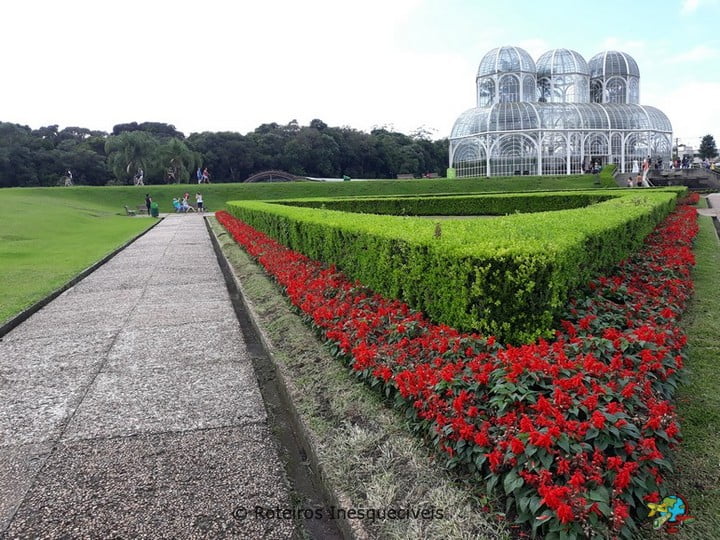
(42, 157)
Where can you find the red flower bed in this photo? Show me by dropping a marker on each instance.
(574, 431)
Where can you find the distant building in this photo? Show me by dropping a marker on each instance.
(558, 116)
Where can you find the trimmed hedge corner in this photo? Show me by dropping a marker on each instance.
(507, 276)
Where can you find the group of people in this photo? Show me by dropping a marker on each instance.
(639, 181)
(591, 166)
(203, 176)
(182, 205)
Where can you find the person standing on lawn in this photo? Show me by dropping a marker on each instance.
(148, 202)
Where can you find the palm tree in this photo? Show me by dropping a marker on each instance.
(176, 160)
(129, 152)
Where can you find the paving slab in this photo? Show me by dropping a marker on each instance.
(69, 322)
(48, 354)
(90, 301)
(158, 399)
(175, 485)
(20, 464)
(36, 406)
(189, 293)
(163, 345)
(184, 255)
(180, 313)
(186, 276)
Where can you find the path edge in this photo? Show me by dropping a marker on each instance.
(303, 439)
(716, 220)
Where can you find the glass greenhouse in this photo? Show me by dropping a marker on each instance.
(557, 116)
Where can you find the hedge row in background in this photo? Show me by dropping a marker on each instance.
(498, 204)
(506, 277)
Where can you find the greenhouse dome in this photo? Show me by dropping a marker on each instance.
(560, 115)
(506, 60)
(563, 77)
(506, 74)
(610, 63)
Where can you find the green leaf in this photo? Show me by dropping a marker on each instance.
(599, 494)
(564, 443)
(512, 481)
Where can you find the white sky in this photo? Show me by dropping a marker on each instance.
(231, 65)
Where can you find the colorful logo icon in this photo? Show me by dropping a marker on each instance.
(670, 513)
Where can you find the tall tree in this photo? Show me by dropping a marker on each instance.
(708, 148)
(229, 156)
(174, 162)
(129, 152)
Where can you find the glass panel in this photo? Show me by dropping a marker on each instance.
(634, 91)
(509, 89)
(486, 92)
(615, 89)
(529, 88)
(507, 61)
(543, 90)
(469, 159)
(554, 154)
(596, 147)
(514, 155)
(575, 153)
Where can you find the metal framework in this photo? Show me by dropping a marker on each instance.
(557, 116)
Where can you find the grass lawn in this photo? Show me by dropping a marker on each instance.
(46, 239)
(215, 195)
(697, 460)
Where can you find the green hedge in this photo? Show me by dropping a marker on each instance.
(459, 205)
(506, 276)
(607, 176)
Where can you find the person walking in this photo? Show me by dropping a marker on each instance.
(646, 170)
(199, 175)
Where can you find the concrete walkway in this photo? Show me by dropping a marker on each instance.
(714, 199)
(129, 406)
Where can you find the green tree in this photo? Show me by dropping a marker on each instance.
(312, 152)
(228, 155)
(174, 161)
(129, 152)
(159, 130)
(708, 148)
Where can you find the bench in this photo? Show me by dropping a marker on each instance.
(130, 212)
(141, 209)
(405, 176)
(432, 175)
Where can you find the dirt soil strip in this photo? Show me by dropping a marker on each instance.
(377, 477)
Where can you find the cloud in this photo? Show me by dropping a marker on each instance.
(688, 7)
(535, 47)
(616, 43)
(700, 53)
(692, 110)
